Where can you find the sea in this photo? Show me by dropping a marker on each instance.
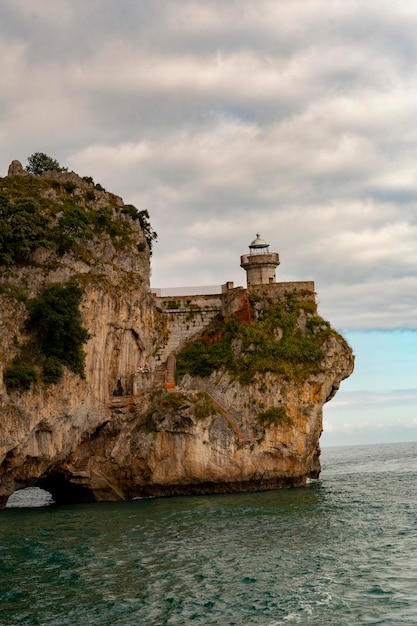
(340, 551)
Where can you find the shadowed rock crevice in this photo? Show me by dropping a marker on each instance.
(65, 492)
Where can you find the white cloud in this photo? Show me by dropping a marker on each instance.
(350, 400)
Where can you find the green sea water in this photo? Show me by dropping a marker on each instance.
(341, 551)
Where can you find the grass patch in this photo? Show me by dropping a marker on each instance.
(272, 342)
(274, 415)
(205, 406)
(173, 304)
(14, 292)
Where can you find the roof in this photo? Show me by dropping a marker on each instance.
(258, 242)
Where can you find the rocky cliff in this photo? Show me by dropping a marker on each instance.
(103, 431)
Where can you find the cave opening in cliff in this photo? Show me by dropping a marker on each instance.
(65, 492)
(29, 497)
(55, 489)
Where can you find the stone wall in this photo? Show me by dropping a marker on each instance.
(302, 290)
(186, 317)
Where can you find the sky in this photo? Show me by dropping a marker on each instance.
(224, 118)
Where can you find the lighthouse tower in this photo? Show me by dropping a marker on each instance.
(259, 264)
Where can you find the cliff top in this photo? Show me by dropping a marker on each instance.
(60, 213)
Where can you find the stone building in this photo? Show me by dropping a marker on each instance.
(188, 311)
(259, 264)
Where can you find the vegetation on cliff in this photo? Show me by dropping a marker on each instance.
(39, 163)
(177, 411)
(55, 338)
(48, 208)
(61, 213)
(284, 337)
(143, 218)
(274, 415)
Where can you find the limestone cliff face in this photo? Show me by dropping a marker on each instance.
(44, 425)
(205, 438)
(116, 434)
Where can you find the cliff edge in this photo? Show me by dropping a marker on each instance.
(89, 409)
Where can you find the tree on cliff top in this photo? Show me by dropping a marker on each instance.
(39, 162)
(143, 217)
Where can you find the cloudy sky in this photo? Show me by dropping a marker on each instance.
(229, 117)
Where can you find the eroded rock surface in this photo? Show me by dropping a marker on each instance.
(108, 436)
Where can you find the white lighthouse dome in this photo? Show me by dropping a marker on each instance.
(259, 244)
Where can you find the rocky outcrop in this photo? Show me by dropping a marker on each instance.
(43, 426)
(115, 434)
(207, 441)
(16, 169)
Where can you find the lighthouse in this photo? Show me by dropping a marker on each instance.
(259, 264)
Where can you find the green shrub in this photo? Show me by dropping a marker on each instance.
(131, 211)
(274, 415)
(143, 217)
(56, 338)
(174, 401)
(70, 186)
(22, 229)
(72, 226)
(54, 320)
(213, 351)
(52, 370)
(39, 162)
(19, 375)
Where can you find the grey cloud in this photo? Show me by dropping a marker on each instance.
(227, 117)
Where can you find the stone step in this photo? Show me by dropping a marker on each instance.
(80, 469)
(159, 376)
